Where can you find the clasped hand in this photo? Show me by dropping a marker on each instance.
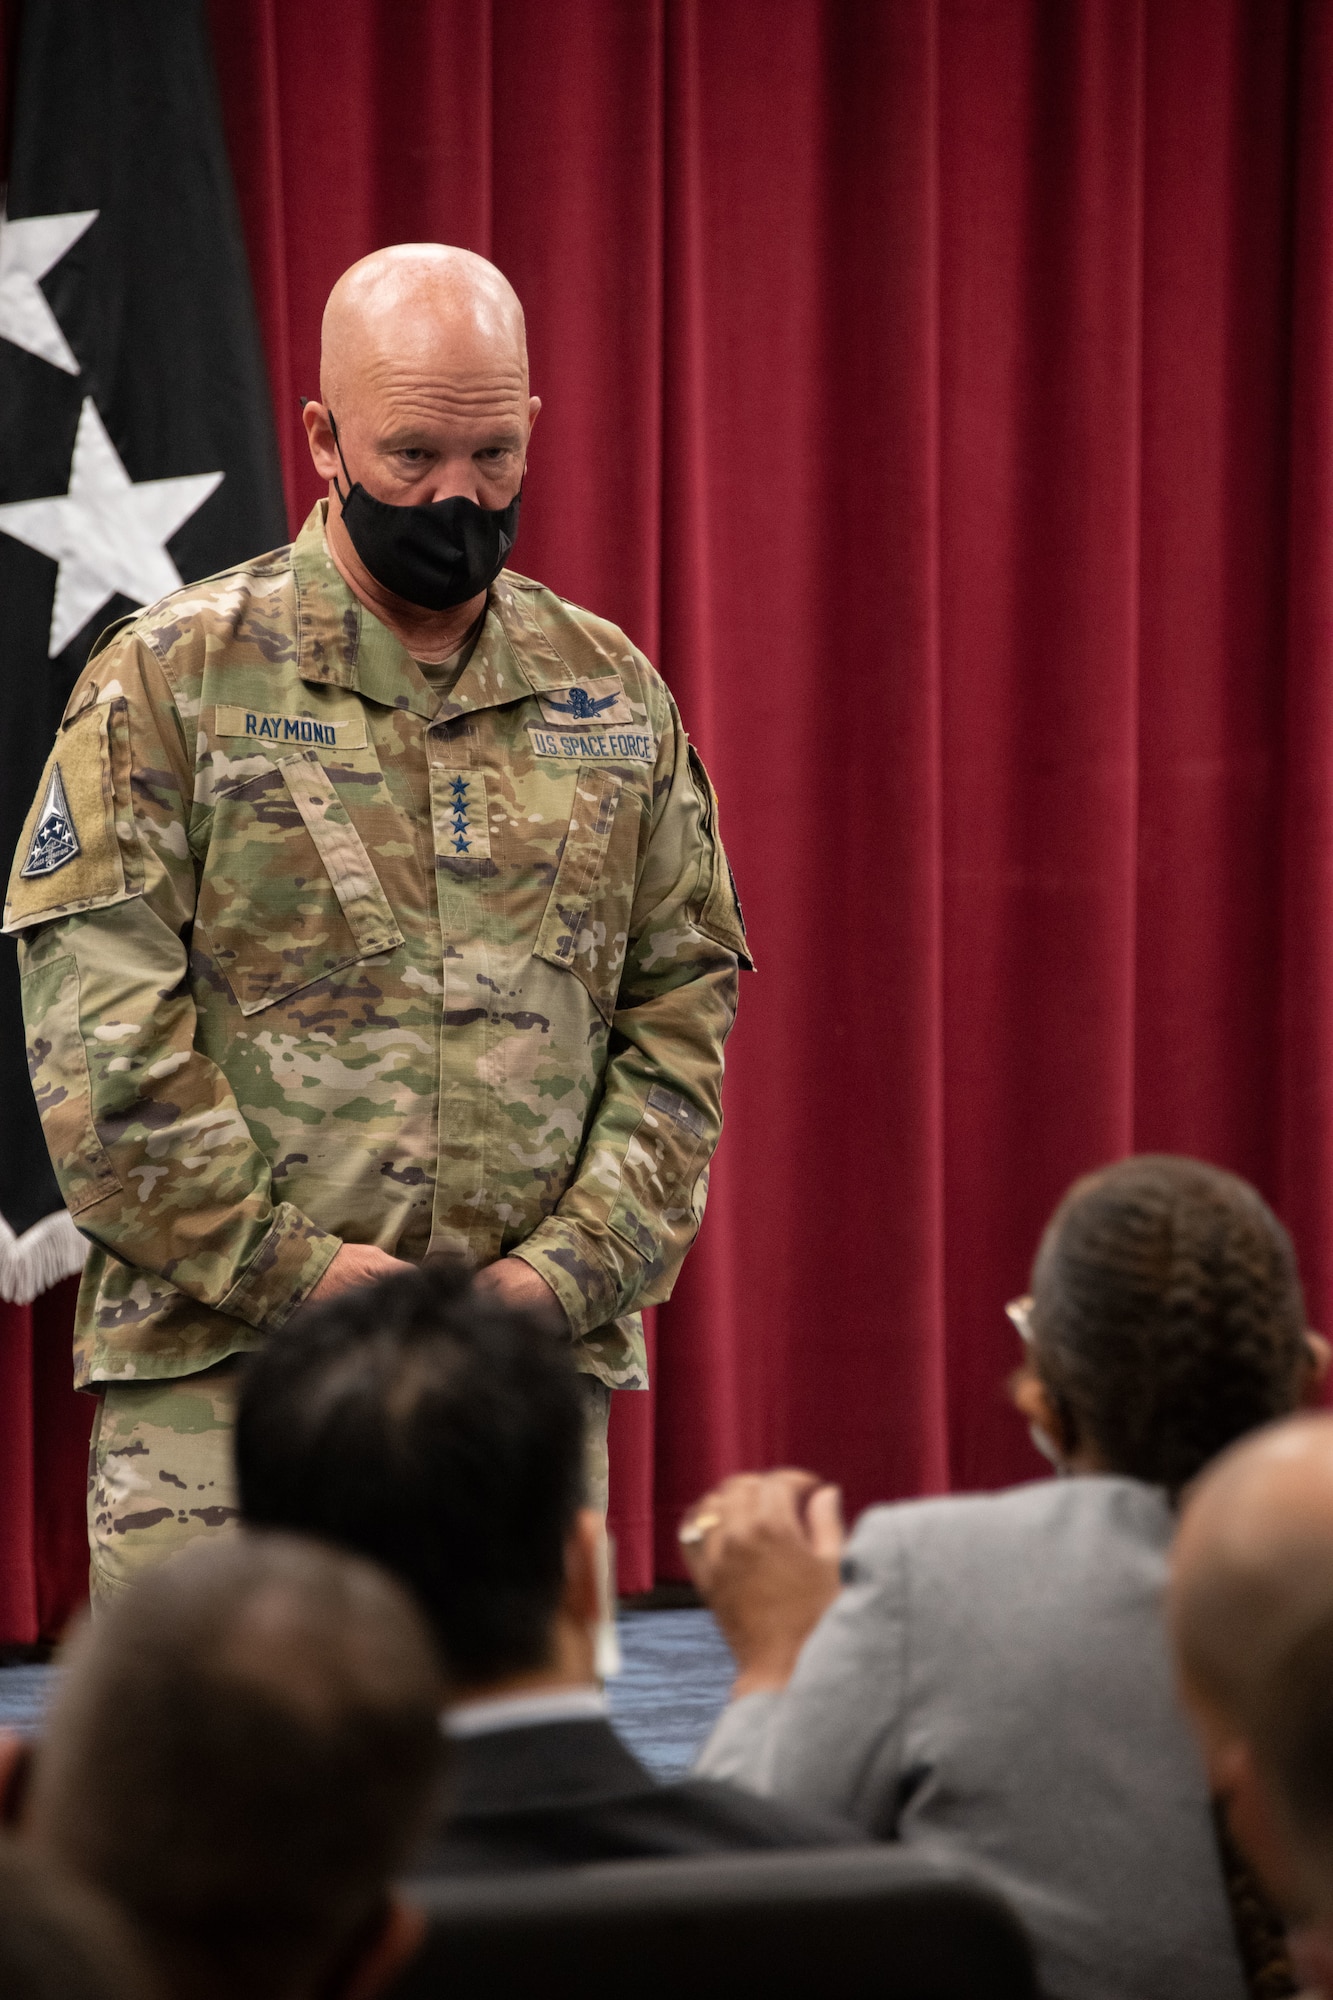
(509, 1279)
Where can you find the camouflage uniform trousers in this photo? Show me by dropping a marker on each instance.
(160, 1470)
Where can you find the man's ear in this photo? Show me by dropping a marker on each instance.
(1254, 1821)
(398, 1939)
(582, 1600)
(15, 1767)
(1316, 1372)
(319, 435)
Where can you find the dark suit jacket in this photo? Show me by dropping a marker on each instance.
(570, 1791)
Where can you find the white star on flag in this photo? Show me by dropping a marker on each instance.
(28, 249)
(108, 533)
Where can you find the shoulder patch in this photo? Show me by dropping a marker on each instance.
(55, 839)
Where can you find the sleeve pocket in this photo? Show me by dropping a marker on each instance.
(58, 1065)
(718, 912)
(661, 1161)
(79, 850)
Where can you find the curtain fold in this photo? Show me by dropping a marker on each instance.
(1302, 1074)
(44, 1430)
(939, 392)
(801, 634)
(1041, 317)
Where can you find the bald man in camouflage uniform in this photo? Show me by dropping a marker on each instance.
(353, 933)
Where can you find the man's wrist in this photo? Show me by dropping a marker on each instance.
(515, 1282)
(563, 1256)
(280, 1277)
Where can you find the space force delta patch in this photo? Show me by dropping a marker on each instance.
(334, 733)
(587, 746)
(54, 840)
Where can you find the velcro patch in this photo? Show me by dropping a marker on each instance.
(598, 701)
(78, 850)
(346, 732)
(606, 746)
(458, 807)
(677, 1108)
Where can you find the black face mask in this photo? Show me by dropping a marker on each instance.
(436, 555)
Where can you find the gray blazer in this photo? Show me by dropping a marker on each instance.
(993, 1685)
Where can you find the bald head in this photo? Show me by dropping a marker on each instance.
(1251, 1608)
(1253, 1563)
(424, 373)
(419, 305)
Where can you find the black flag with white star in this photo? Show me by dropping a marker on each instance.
(136, 438)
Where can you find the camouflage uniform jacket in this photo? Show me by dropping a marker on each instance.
(312, 955)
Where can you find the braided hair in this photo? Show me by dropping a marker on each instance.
(1167, 1316)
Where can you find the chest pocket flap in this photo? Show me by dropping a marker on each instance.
(290, 894)
(575, 932)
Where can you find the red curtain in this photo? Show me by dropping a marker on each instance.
(940, 394)
(43, 1470)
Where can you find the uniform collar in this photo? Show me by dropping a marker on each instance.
(341, 644)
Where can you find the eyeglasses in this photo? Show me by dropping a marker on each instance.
(1020, 1312)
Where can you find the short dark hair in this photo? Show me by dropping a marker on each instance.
(58, 1939)
(242, 1753)
(1167, 1316)
(439, 1433)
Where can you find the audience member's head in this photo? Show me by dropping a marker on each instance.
(1251, 1610)
(1166, 1320)
(58, 1939)
(441, 1434)
(241, 1756)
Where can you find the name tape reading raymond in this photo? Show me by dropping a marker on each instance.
(615, 746)
(345, 733)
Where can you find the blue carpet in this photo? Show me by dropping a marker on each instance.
(24, 1693)
(673, 1685)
